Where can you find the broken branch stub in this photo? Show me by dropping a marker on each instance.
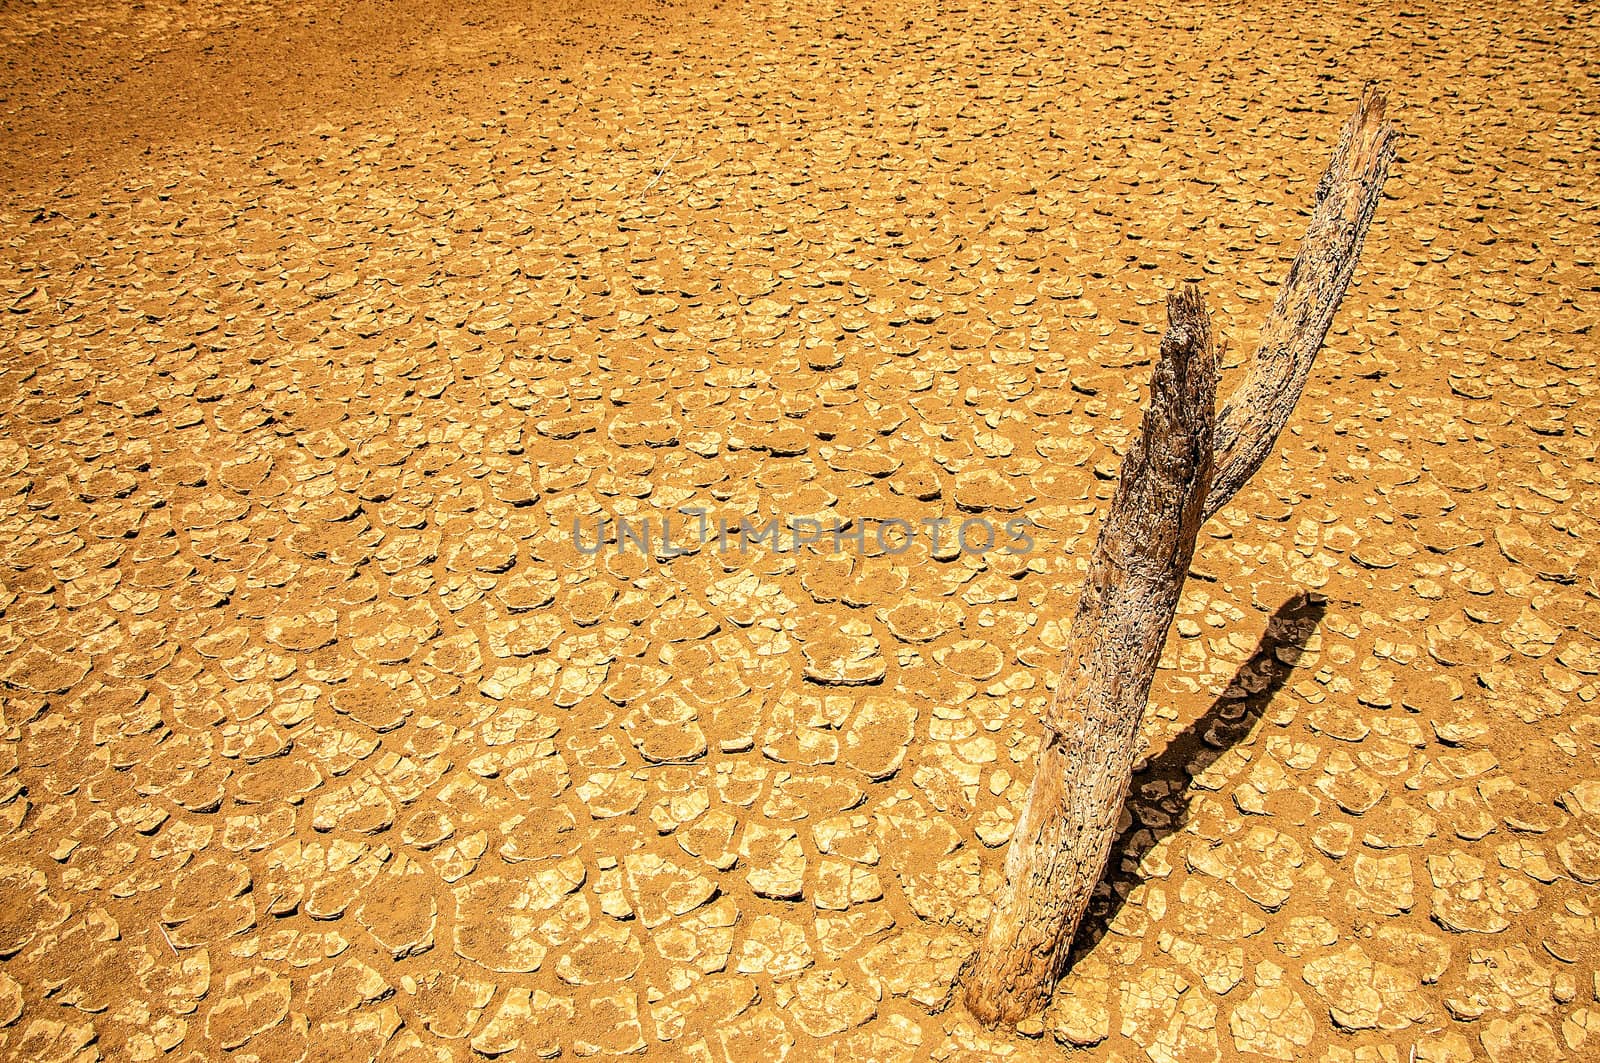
(1186, 463)
(1256, 412)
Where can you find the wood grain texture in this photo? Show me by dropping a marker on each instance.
(1187, 463)
(1135, 575)
(1257, 411)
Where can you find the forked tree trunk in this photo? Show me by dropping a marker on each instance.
(1187, 462)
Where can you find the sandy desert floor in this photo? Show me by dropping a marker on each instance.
(319, 739)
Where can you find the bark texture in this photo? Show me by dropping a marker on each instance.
(1186, 463)
(1136, 572)
(1347, 195)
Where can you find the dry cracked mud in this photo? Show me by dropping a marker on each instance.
(321, 739)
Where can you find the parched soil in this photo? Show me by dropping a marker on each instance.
(321, 738)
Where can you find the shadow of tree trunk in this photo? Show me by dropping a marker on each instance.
(1161, 792)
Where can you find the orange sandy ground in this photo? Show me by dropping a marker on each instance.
(319, 740)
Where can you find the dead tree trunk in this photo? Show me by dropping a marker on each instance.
(1187, 462)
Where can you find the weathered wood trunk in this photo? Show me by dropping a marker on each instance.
(1186, 463)
(1135, 575)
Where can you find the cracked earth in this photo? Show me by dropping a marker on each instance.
(319, 739)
